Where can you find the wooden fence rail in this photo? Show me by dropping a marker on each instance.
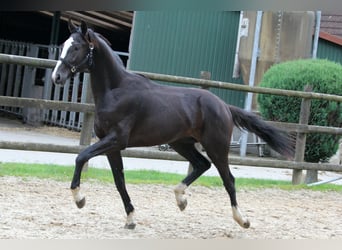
(47, 63)
(45, 104)
(88, 108)
(165, 155)
(27, 61)
(239, 87)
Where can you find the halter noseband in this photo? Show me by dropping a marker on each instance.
(88, 60)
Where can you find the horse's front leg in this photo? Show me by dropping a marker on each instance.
(102, 146)
(115, 160)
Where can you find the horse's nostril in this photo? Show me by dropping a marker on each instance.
(56, 78)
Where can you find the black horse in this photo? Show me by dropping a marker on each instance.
(132, 111)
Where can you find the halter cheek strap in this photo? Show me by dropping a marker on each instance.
(88, 60)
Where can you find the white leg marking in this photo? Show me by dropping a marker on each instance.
(130, 219)
(76, 194)
(179, 193)
(238, 217)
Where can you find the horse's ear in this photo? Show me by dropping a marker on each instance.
(84, 27)
(71, 26)
(91, 37)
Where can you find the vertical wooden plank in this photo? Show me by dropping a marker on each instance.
(56, 94)
(297, 175)
(340, 153)
(48, 86)
(65, 98)
(18, 74)
(88, 118)
(72, 120)
(311, 176)
(18, 79)
(10, 79)
(84, 97)
(4, 67)
(30, 115)
(11, 75)
(88, 121)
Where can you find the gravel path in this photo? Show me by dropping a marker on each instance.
(43, 209)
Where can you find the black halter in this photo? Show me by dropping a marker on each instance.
(88, 61)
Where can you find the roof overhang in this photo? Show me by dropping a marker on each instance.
(330, 38)
(111, 20)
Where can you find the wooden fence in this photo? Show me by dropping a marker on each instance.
(300, 129)
(34, 82)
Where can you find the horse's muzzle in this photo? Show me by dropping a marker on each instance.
(59, 77)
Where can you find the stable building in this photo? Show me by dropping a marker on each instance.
(195, 44)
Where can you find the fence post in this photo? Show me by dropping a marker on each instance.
(297, 175)
(340, 153)
(88, 119)
(206, 75)
(32, 116)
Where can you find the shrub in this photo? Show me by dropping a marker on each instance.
(325, 77)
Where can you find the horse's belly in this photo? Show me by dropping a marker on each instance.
(155, 133)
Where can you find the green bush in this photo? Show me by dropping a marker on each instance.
(325, 77)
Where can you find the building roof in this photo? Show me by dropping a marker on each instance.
(111, 20)
(331, 22)
(331, 27)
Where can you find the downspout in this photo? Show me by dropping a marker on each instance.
(248, 102)
(236, 60)
(312, 175)
(131, 41)
(55, 28)
(316, 36)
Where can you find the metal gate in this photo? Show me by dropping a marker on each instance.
(25, 81)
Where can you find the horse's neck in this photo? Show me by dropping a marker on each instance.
(108, 71)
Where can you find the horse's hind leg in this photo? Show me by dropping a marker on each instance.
(116, 165)
(229, 183)
(200, 165)
(219, 157)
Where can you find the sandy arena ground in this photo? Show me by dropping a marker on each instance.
(43, 209)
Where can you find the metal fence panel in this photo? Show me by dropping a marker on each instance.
(26, 81)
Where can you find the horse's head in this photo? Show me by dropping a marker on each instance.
(77, 54)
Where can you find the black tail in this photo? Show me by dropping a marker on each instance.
(275, 138)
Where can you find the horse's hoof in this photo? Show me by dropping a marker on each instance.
(179, 193)
(246, 224)
(81, 203)
(243, 222)
(130, 226)
(182, 205)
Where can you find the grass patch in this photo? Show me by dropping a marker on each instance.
(65, 173)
